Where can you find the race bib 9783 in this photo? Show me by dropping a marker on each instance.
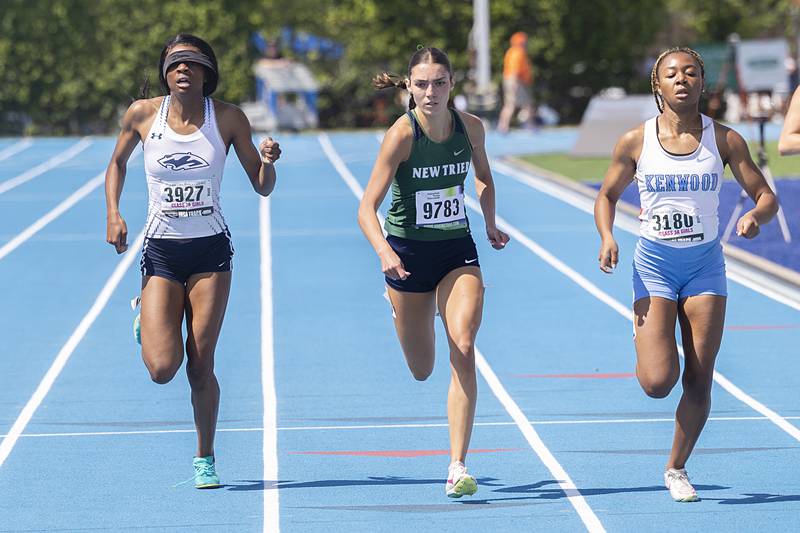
(441, 206)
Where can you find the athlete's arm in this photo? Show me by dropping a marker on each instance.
(138, 114)
(620, 173)
(484, 184)
(395, 148)
(735, 151)
(789, 142)
(258, 164)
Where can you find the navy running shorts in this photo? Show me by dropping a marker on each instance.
(430, 261)
(178, 259)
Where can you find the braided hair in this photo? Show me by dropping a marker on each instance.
(654, 73)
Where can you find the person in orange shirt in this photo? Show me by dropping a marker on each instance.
(517, 80)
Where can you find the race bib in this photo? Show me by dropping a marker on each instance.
(675, 224)
(442, 206)
(181, 199)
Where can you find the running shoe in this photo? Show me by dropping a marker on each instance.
(677, 481)
(459, 483)
(137, 329)
(205, 475)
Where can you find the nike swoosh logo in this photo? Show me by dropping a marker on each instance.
(468, 261)
(700, 160)
(456, 153)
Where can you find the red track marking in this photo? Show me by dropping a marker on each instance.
(401, 453)
(763, 327)
(609, 375)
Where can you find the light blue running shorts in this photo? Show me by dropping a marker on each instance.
(677, 273)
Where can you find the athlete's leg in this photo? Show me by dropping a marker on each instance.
(657, 365)
(460, 300)
(702, 319)
(413, 320)
(206, 300)
(161, 318)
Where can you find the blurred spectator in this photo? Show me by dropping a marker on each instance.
(517, 81)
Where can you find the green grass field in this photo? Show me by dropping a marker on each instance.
(594, 168)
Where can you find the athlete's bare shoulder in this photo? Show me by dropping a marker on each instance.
(401, 127)
(469, 120)
(141, 114)
(474, 125)
(399, 138)
(145, 108)
(226, 109)
(630, 143)
(728, 140)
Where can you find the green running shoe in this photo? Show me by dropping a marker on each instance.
(137, 329)
(459, 483)
(205, 475)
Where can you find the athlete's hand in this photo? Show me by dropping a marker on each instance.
(609, 256)
(269, 150)
(117, 233)
(747, 226)
(391, 265)
(497, 238)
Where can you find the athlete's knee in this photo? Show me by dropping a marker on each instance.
(421, 368)
(696, 386)
(657, 386)
(199, 371)
(421, 374)
(161, 371)
(462, 358)
(463, 346)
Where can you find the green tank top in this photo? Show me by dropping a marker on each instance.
(428, 188)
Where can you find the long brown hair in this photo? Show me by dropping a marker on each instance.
(428, 54)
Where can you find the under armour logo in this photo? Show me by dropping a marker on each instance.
(156, 136)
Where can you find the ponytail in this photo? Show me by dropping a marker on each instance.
(144, 90)
(384, 80)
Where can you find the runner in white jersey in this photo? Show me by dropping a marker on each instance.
(677, 160)
(186, 258)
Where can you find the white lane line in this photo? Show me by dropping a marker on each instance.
(625, 311)
(585, 512)
(53, 214)
(15, 148)
(270, 435)
(396, 426)
(50, 164)
(735, 272)
(340, 166)
(577, 501)
(66, 351)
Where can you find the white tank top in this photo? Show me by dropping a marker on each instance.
(679, 193)
(184, 173)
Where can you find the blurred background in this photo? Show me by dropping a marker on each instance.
(71, 67)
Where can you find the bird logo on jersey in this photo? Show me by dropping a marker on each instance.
(182, 161)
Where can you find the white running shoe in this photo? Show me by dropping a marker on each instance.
(459, 483)
(677, 481)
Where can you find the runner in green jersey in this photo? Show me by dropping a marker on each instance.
(429, 258)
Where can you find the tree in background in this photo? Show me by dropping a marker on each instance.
(71, 66)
